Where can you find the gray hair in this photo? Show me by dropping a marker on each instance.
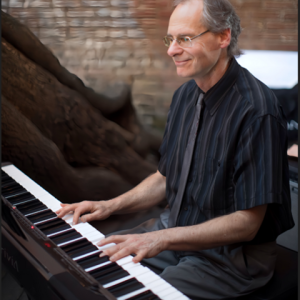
(219, 15)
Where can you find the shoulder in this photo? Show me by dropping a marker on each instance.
(257, 99)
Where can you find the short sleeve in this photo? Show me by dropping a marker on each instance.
(163, 148)
(259, 176)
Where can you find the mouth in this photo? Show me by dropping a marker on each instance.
(179, 63)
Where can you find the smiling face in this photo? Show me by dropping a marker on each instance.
(202, 60)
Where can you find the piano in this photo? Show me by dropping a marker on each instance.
(53, 259)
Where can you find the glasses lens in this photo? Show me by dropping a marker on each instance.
(167, 41)
(185, 42)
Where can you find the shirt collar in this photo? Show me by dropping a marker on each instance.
(213, 97)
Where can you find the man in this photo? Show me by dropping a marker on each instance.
(235, 194)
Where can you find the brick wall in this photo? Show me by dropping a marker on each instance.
(107, 40)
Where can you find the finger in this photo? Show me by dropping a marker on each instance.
(122, 253)
(112, 239)
(65, 209)
(110, 251)
(77, 213)
(90, 217)
(141, 255)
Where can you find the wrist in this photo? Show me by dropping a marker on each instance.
(113, 206)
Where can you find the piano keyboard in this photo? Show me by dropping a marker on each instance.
(124, 279)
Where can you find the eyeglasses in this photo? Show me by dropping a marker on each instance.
(184, 42)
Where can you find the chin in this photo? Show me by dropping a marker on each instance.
(183, 74)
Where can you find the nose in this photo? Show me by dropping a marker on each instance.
(174, 49)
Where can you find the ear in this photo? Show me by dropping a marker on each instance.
(225, 38)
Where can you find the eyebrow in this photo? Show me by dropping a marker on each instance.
(182, 34)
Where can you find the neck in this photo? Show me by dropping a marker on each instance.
(214, 75)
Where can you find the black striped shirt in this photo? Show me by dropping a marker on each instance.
(240, 156)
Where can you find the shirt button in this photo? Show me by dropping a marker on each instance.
(190, 179)
(185, 208)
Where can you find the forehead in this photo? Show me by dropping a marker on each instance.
(186, 18)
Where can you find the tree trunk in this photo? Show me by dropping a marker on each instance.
(54, 132)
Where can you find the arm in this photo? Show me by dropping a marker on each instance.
(148, 193)
(237, 227)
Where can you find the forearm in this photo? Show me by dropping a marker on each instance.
(237, 227)
(148, 193)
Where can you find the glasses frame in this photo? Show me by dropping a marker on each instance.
(190, 39)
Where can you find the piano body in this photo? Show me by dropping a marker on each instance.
(53, 259)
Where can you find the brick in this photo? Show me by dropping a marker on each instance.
(279, 4)
(146, 62)
(16, 3)
(129, 23)
(4, 4)
(55, 32)
(66, 3)
(119, 3)
(281, 25)
(119, 13)
(135, 33)
(118, 54)
(249, 4)
(117, 33)
(292, 16)
(104, 12)
(101, 33)
(37, 3)
(80, 12)
(143, 13)
(96, 3)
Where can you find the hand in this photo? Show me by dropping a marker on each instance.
(99, 210)
(144, 245)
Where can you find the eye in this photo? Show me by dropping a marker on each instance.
(185, 39)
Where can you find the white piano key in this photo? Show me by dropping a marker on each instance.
(149, 277)
(125, 260)
(84, 255)
(97, 266)
(69, 242)
(43, 209)
(95, 239)
(22, 201)
(106, 246)
(132, 294)
(158, 286)
(36, 223)
(58, 232)
(117, 281)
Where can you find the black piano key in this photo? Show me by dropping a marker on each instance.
(147, 295)
(21, 198)
(57, 228)
(66, 236)
(106, 270)
(84, 250)
(76, 245)
(51, 223)
(41, 216)
(8, 184)
(25, 205)
(14, 192)
(92, 260)
(112, 276)
(29, 207)
(125, 287)
(53, 226)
